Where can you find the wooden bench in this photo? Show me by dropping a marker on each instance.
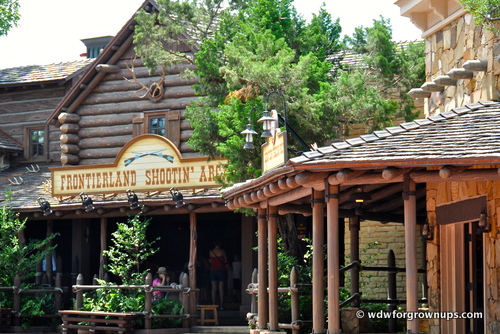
(97, 321)
(204, 309)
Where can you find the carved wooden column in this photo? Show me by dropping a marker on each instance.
(272, 227)
(410, 221)
(354, 226)
(318, 287)
(263, 301)
(333, 260)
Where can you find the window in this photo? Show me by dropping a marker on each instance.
(165, 123)
(156, 125)
(35, 143)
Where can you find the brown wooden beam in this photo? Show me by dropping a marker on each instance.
(410, 212)
(318, 288)
(448, 171)
(263, 302)
(333, 260)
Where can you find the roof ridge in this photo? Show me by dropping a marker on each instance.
(391, 131)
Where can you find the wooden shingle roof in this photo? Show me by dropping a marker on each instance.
(469, 134)
(9, 144)
(41, 73)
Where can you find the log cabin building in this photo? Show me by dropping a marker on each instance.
(439, 176)
(107, 136)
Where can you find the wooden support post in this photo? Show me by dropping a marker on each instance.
(17, 299)
(148, 303)
(392, 291)
(410, 217)
(318, 286)
(192, 263)
(184, 298)
(294, 300)
(263, 305)
(79, 293)
(333, 259)
(48, 258)
(253, 299)
(272, 227)
(102, 264)
(354, 234)
(57, 295)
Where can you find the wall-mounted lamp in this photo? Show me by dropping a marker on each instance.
(359, 197)
(177, 198)
(426, 231)
(484, 224)
(87, 202)
(133, 201)
(45, 206)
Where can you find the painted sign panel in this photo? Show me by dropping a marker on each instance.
(147, 163)
(274, 151)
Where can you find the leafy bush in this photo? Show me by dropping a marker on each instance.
(35, 305)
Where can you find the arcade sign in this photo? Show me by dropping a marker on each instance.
(146, 163)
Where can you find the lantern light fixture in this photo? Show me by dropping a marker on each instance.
(133, 200)
(45, 206)
(87, 202)
(177, 198)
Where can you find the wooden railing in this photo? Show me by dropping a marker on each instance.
(18, 291)
(185, 293)
(293, 289)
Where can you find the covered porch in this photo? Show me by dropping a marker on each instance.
(418, 173)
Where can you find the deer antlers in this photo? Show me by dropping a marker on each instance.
(16, 182)
(154, 91)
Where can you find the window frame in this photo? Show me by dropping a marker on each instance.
(28, 144)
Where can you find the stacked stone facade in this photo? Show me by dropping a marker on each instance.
(449, 48)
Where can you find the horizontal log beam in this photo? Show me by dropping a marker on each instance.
(115, 130)
(69, 159)
(68, 118)
(490, 174)
(106, 68)
(69, 128)
(69, 138)
(120, 84)
(132, 94)
(104, 142)
(134, 106)
(69, 149)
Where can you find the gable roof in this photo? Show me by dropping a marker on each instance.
(109, 56)
(463, 135)
(8, 143)
(36, 74)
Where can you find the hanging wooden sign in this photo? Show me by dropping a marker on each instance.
(147, 163)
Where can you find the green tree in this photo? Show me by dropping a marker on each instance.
(18, 256)
(129, 249)
(263, 46)
(9, 15)
(486, 12)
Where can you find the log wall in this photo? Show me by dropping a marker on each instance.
(115, 111)
(30, 106)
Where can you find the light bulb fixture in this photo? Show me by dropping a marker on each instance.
(45, 206)
(133, 200)
(359, 196)
(177, 198)
(87, 202)
(483, 225)
(426, 231)
(249, 132)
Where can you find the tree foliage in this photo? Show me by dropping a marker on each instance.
(256, 47)
(486, 12)
(129, 249)
(9, 15)
(18, 256)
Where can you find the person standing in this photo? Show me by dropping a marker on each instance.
(218, 261)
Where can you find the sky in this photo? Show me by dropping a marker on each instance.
(50, 30)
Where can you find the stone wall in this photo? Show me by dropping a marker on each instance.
(450, 48)
(376, 239)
